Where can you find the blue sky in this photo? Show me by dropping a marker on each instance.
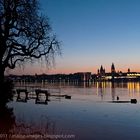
(95, 32)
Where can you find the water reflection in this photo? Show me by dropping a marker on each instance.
(113, 91)
(44, 126)
(102, 89)
(7, 121)
(11, 127)
(38, 101)
(89, 105)
(132, 89)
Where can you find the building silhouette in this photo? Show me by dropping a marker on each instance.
(101, 75)
(113, 68)
(113, 71)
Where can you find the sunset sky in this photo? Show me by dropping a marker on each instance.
(93, 32)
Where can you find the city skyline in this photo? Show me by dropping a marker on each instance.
(101, 68)
(93, 32)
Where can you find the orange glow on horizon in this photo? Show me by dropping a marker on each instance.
(65, 70)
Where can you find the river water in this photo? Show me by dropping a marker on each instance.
(90, 114)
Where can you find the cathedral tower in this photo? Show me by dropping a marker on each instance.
(113, 68)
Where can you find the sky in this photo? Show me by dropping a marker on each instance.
(93, 33)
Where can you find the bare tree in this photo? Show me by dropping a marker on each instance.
(25, 34)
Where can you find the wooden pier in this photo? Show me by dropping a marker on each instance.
(40, 91)
(36, 93)
(22, 91)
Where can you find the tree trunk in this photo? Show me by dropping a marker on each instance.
(1, 75)
(2, 87)
(6, 87)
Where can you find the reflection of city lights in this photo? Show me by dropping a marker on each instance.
(134, 89)
(97, 86)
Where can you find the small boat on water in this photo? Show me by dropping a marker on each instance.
(132, 101)
(67, 97)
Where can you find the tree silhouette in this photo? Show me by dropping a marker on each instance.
(25, 34)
